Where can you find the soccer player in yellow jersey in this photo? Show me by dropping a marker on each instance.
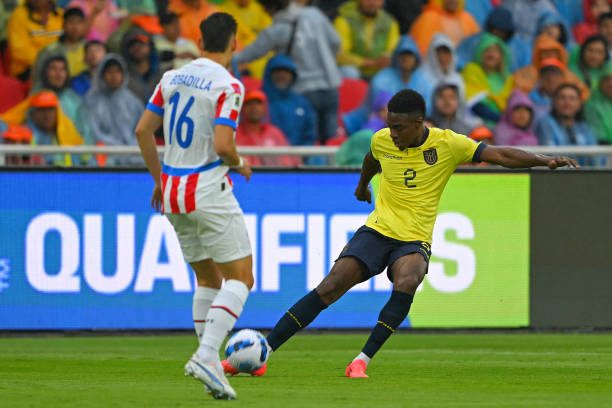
(415, 163)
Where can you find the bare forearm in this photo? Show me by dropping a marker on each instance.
(224, 145)
(369, 168)
(149, 154)
(515, 159)
(230, 157)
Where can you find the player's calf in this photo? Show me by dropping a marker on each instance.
(295, 319)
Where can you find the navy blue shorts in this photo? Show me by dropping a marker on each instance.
(378, 252)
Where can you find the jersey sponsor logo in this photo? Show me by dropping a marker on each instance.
(391, 156)
(430, 156)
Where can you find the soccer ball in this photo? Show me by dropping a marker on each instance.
(247, 350)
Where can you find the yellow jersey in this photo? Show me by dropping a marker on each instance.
(413, 179)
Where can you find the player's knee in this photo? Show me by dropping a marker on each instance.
(344, 275)
(407, 282)
(329, 290)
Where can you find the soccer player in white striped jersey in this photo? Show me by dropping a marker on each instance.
(198, 106)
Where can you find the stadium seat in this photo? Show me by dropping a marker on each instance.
(352, 94)
(13, 92)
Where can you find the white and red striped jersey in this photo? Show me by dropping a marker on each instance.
(192, 100)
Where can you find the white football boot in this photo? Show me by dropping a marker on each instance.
(210, 373)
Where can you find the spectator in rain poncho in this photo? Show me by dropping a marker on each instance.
(501, 24)
(488, 82)
(526, 14)
(443, 16)
(598, 109)
(440, 67)
(565, 125)
(403, 73)
(544, 48)
(288, 110)
(113, 109)
(449, 111)
(590, 62)
(592, 9)
(52, 74)
(516, 125)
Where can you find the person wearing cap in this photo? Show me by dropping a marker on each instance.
(551, 75)
(516, 125)
(598, 109)
(53, 75)
(17, 134)
(482, 134)
(288, 110)
(544, 47)
(143, 62)
(255, 130)
(43, 115)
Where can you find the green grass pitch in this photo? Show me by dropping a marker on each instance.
(412, 370)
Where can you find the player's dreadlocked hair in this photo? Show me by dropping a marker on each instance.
(407, 101)
(217, 30)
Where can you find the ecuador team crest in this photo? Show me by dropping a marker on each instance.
(430, 156)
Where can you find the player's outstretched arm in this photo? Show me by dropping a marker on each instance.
(515, 158)
(226, 149)
(147, 125)
(369, 168)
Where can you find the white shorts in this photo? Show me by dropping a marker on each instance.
(219, 233)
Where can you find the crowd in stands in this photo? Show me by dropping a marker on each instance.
(511, 72)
